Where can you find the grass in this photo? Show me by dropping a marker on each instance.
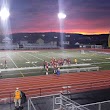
(24, 59)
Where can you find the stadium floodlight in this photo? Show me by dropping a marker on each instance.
(61, 15)
(4, 13)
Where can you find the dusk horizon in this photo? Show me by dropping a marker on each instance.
(83, 17)
(59, 32)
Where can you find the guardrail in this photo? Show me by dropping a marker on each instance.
(58, 102)
(104, 105)
(96, 68)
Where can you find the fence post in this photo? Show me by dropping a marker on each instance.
(10, 101)
(61, 103)
(99, 106)
(28, 104)
(40, 91)
(53, 102)
(67, 89)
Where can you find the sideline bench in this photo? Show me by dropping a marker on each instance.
(79, 69)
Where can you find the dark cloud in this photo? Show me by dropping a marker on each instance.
(41, 15)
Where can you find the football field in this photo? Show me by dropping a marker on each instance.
(30, 63)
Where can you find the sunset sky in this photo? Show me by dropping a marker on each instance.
(83, 16)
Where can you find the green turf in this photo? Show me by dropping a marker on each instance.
(21, 59)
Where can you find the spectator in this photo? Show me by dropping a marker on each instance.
(23, 99)
(58, 71)
(17, 98)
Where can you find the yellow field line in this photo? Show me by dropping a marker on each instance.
(22, 74)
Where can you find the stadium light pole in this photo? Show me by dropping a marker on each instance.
(61, 17)
(4, 16)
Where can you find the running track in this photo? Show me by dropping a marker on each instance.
(50, 84)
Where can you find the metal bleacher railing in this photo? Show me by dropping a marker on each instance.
(63, 102)
(104, 105)
(57, 102)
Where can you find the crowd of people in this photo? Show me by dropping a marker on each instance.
(56, 63)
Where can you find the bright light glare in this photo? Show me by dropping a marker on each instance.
(4, 14)
(61, 15)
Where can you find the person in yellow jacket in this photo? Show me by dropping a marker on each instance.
(17, 97)
(75, 61)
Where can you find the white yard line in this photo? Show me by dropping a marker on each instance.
(100, 62)
(35, 56)
(40, 58)
(44, 55)
(14, 63)
(26, 59)
(52, 53)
